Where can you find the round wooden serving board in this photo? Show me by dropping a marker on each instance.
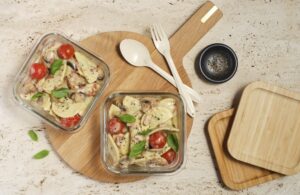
(81, 150)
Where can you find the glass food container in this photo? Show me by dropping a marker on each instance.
(71, 64)
(133, 161)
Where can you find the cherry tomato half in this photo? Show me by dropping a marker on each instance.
(70, 121)
(158, 139)
(116, 126)
(38, 71)
(65, 51)
(170, 155)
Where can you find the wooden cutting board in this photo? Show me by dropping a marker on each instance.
(235, 174)
(266, 129)
(81, 150)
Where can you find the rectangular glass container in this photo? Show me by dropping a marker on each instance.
(33, 58)
(170, 168)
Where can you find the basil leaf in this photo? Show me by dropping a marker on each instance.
(41, 154)
(173, 142)
(59, 93)
(55, 66)
(127, 118)
(146, 132)
(37, 95)
(33, 135)
(137, 149)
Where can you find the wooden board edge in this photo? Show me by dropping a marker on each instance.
(245, 95)
(221, 163)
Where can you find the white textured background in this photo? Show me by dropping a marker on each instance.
(264, 34)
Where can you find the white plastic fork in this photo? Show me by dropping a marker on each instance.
(162, 44)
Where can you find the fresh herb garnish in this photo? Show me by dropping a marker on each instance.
(41, 154)
(37, 95)
(146, 132)
(137, 149)
(55, 66)
(33, 135)
(173, 142)
(127, 118)
(60, 93)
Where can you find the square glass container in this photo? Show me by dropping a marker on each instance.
(34, 57)
(147, 170)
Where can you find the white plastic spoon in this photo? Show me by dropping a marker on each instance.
(137, 54)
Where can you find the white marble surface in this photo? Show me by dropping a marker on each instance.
(264, 34)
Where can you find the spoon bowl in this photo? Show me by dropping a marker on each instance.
(135, 52)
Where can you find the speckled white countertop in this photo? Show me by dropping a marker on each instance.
(264, 34)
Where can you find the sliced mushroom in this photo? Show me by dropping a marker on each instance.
(75, 81)
(90, 89)
(72, 63)
(49, 53)
(27, 96)
(124, 162)
(146, 105)
(28, 87)
(152, 100)
(49, 56)
(100, 73)
(78, 97)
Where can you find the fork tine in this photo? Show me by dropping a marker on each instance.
(152, 33)
(162, 32)
(156, 35)
(156, 30)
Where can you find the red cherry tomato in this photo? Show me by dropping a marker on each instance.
(70, 121)
(116, 126)
(65, 51)
(170, 155)
(158, 140)
(38, 71)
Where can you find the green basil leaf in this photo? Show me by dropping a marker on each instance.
(146, 132)
(137, 149)
(33, 135)
(173, 142)
(127, 118)
(60, 93)
(41, 154)
(55, 66)
(37, 95)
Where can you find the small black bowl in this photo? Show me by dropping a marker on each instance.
(217, 63)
